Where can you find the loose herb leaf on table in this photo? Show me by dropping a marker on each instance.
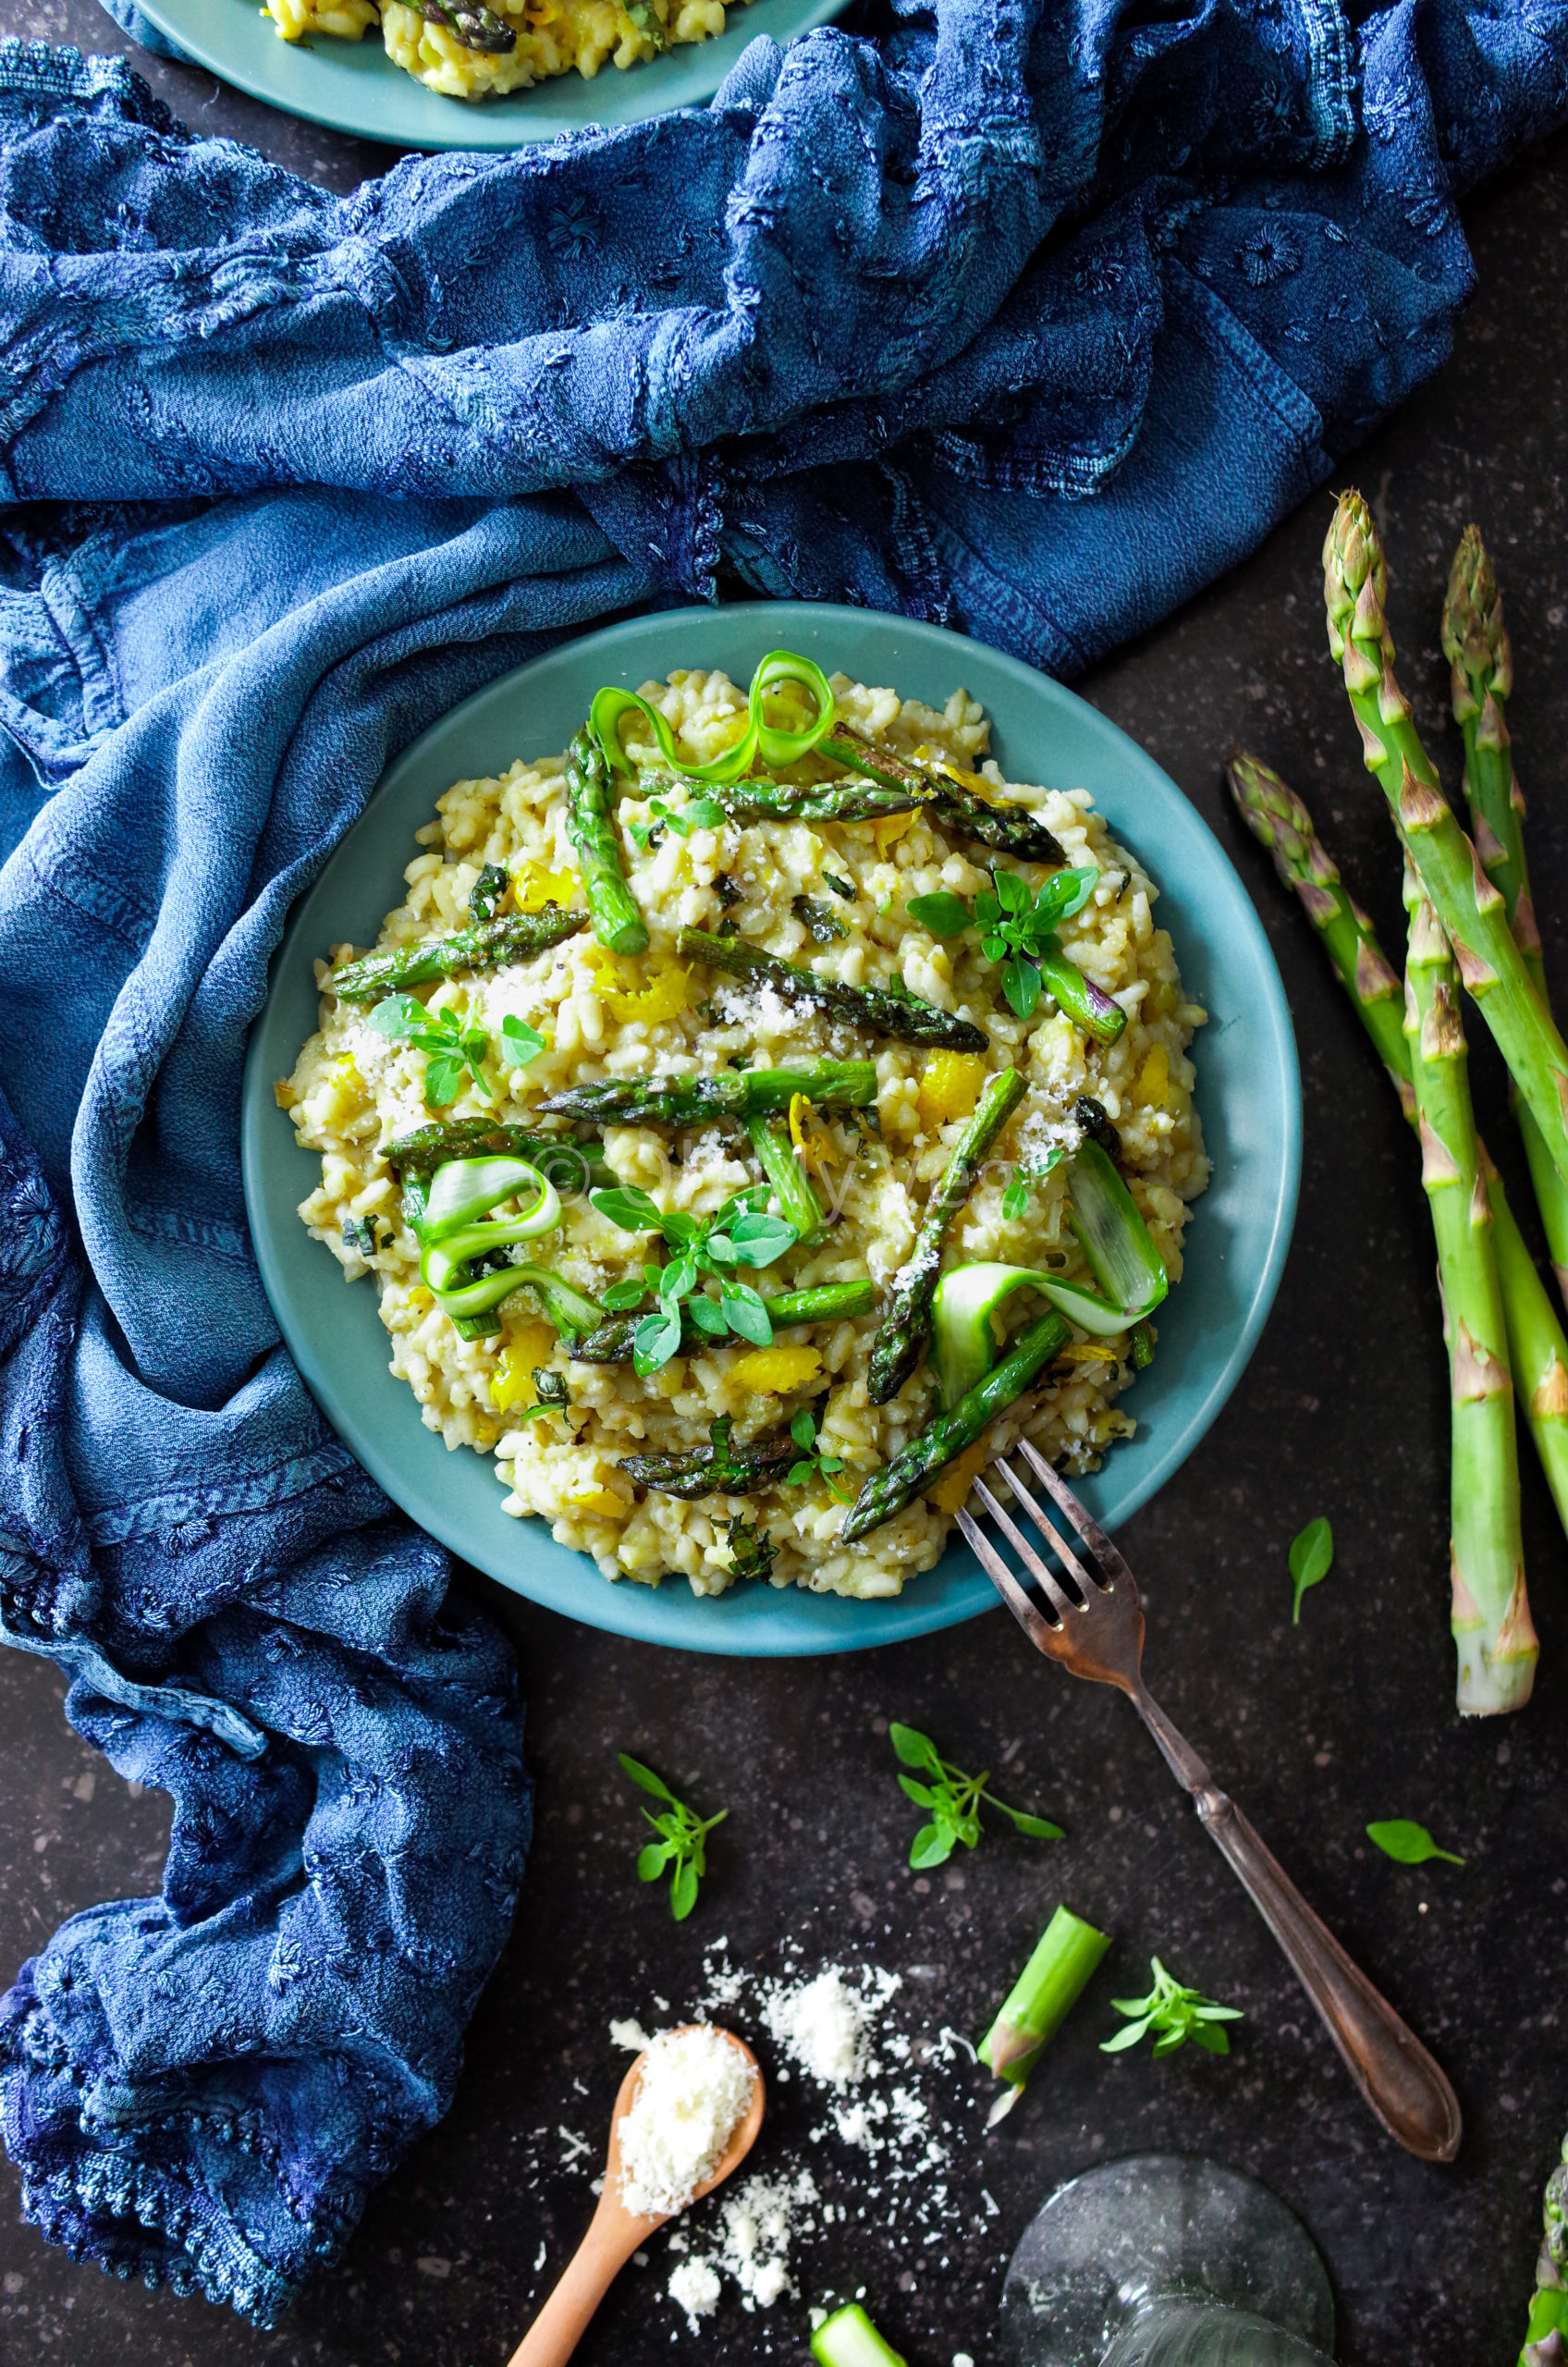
(953, 1801)
(1174, 2015)
(1406, 1843)
(1312, 1558)
(681, 1834)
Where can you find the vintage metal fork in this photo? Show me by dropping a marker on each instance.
(1098, 1633)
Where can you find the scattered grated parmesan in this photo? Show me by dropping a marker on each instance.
(695, 2287)
(694, 2090)
(822, 2026)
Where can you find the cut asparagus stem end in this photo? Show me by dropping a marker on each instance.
(1045, 1993)
(849, 2339)
(1113, 1235)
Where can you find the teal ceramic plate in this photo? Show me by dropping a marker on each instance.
(353, 85)
(1249, 1094)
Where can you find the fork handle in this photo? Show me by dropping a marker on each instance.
(1410, 2095)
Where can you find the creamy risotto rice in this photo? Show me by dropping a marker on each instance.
(552, 36)
(656, 1016)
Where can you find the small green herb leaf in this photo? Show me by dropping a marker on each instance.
(953, 1798)
(683, 1834)
(645, 1777)
(1312, 1558)
(629, 1207)
(621, 1297)
(1174, 2013)
(745, 1314)
(519, 1043)
(1408, 1843)
(941, 916)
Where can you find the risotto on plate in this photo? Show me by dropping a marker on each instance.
(752, 1120)
(466, 51)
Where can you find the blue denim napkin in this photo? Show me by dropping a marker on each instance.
(1026, 317)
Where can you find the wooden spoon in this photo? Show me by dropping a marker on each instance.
(613, 2233)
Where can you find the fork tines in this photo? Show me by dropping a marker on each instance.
(1080, 1566)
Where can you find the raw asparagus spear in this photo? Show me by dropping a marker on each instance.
(1538, 1352)
(612, 1343)
(1278, 820)
(1491, 1613)
(475, 28)
(512, 939)
(1469, 908)
(889, 1491)
(735, 1094)
(589, 821)
(1010, 829)
(720, 1468)
(906, 1324)
(882, 1011)
(1477, 647)
(785, 1169)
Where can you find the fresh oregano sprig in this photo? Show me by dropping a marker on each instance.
(454, 1049)
(681, 1843)
(739, 1234)
(953, 1801)
(1174, 2015)
(1015, 1199)
(696, 813)
(812, 1462)
(1017, 926)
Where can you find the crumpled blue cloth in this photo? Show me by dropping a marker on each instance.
(1019, 314)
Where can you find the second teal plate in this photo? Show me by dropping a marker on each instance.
(353, 86)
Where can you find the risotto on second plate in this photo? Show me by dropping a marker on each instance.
(575, 1439)
(514, 44)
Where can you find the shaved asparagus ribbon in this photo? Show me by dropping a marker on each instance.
(451, 1235)
(762, 738)
(1122, 1256)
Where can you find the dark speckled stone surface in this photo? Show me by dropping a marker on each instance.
(1316, 1729)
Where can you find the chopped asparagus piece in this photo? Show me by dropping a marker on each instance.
(735, 1094)
(785, 1169)
(487, 946)
(720, 1468)
(1010, 829)
(906, 1324)
(889, 1491)
(1041, 2000)
(884, 1010)
(848, 2338)
(611, 1342)
(589, 821)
